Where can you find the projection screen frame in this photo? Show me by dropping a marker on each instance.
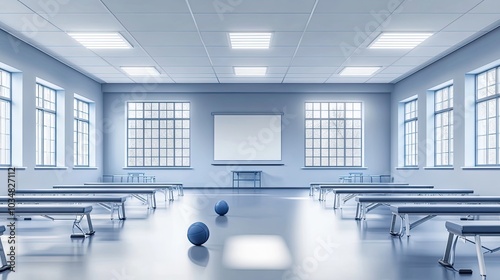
(247, 161)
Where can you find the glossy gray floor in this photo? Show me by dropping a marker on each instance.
(323, 243)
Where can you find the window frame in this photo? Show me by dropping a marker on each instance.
(440, 112)
(323, 115)
(407, 162)
(77, 119)
(8, 100)
(485, 100)
(165, 115)
(41, 162)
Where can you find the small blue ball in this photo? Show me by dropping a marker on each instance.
(221, 207)
(198, 233)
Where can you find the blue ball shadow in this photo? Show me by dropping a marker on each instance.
(199, 255)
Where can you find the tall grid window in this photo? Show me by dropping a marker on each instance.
(487, 114)
(5, 118)
(333, 134)
(81, 132)
(158, 134)
(411, 133)
(45, 126)
(443, 126)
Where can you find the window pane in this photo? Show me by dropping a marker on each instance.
(324, 130)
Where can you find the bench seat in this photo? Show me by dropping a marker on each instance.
(316, 186)
(431, 211)
(465, 229)
(111, 203)
(138, 193)
(353, 192)
(367, 203)
(47, 211)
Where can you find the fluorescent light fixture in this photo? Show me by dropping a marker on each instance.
(101, 40)
(398, 40)
(359, 71)
(250, 40)
(250, 71)
(140, 70)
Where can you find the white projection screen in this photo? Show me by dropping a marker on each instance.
(247, 137)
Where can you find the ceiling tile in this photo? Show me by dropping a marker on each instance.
(354, 7)
(175, 51)
(157, 22)
(272, 52)
(278, 39)
(86, 22)
(117, 80)
(412, 60)
(312, 70)
(30, 24)
(14, 7)
(437, 7)
(87, 61)
(149, 6)
(51, 8)
(250, 80)
(223, 8)
(130, 61)
(318, 61)
(336, 79)
(252, 22)
(221, 70)
(370, 60)
(445, 39)
(473, 22)
(195, 80)
(395, 70)
(53, 39)
(349, 38)
(427, 51)
(250, 61)
(183, 61)
(419, 22)
(339, 22)
(304, 80)
(102, 70)
(165, 39)
(70, 51)
(487, 7)
(188, 70)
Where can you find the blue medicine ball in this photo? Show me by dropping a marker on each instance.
(221, 207)
(198, 233)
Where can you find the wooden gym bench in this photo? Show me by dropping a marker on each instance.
(48, 211)
(316, 186)
(160, 185)
(368, 203)
(139, 193)
(110, 203)
(464, 229)
(352, 193)
(430, 211)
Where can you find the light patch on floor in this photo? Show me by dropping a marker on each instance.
(256, 252)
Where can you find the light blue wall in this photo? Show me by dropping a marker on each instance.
(287, 98)
(35, 64)
(452, 67)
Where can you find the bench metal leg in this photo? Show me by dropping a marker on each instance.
(122, 208)
(311, 190)
(480, 257)
(449, 254)
(76, 224)
(5, 265)
(171, 193)
(152, 199)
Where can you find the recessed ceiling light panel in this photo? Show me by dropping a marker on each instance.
(250, 71)
(359, 71)
(250, 40)
(101, 40)
(140, 70)
(399, 40)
